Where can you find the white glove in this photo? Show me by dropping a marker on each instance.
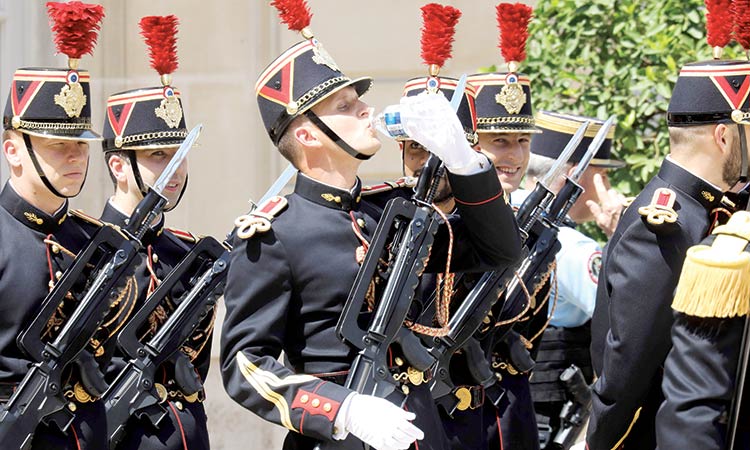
(430, 120)
(378, 422)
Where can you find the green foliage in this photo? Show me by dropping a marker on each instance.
(622, 57)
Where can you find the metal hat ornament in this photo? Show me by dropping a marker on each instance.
(504, 98)
(438, 31)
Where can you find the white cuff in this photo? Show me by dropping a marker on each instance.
(478, 163)
(339, 425)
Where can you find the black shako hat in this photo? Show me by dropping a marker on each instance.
(557, 129)
(466, 113)
(56, 102)
(150, 117)
(438, 29)
(707, 92)
(504, 98)
(299, 79)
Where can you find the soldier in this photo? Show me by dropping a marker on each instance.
(505, 124)
(567, 338)
(414, 155)
(632, 318)
(287, 286)
(437, 35)
(143, 129)
(46, 137)
(705, 378)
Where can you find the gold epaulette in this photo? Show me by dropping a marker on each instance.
(85, 217)
(659, 215)
(259, 219)
(715, 280)
(183, 235)
(389, 186)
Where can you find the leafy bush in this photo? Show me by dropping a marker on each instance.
(622, 57)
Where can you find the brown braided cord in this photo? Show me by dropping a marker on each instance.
(553, 266)
(444, 292)
(529, 297)
(62, 249)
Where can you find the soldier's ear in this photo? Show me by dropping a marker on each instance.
(12, 146)
(118, 167)
(723, 137)
(306, 135)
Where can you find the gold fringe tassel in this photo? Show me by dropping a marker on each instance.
(715, 280)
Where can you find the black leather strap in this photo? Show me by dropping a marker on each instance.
(335, 137)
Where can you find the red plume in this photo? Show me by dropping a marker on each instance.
(438, 29)
(160, 34)
(513, 21)
(294, 13)
(76, 26)
(718, 22)
(741, 13)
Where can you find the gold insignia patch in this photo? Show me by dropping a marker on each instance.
(708, 196)
(660, 210)
(331, 198)
(33, 218)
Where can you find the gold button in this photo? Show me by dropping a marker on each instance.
(405, 389)
(315, 403)
(335, 430)
(72, 406)
(399, 361)
(178, 404)
(58, 274)
(327, 407)
(55, 248)
(304, 398)
(155, 258)
(361, 223)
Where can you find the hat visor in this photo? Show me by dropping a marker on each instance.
(607, 163)
(66, 135)
(361, 85)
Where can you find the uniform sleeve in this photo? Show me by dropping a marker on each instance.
(641, 283)
(257, 297)
(698, 383)
(578, 273)
(487, 234)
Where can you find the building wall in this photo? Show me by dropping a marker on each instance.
(223, 46)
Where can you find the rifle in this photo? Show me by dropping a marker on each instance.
(135, 392)
(539, 219)
(113, 252)
(575, 411)
(543, 242)
(476, 306)
(412, 226)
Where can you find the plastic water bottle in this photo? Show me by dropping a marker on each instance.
(388, 122)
